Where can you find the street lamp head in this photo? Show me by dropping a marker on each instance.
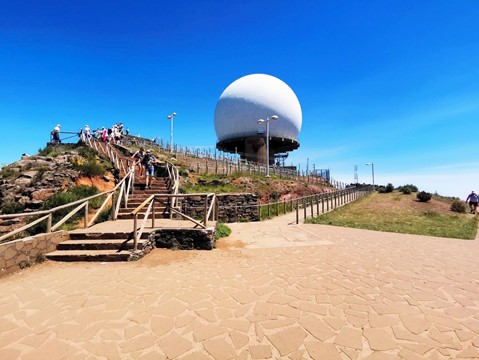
(369, 163)
(169, 117)
(274, 117)
(260, 121)
(174, 114)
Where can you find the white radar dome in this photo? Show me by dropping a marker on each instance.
(255, 97)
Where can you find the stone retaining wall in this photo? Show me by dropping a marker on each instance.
(22, 253)
(232, 207)
(184, 239)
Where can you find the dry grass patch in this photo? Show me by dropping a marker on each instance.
(396, 212)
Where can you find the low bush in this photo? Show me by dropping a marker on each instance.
(458, 206)
(87, 153)
(423, 196)
(105, 215)
(407, 189)
(62, 198)
(91, 168)
(222, 231)
(12, 207)
(8, 172)
(386, 189)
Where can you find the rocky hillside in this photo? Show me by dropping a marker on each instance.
(27, 183)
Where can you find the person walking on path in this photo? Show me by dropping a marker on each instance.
(473, 201)
(149, 163)
(138, 158)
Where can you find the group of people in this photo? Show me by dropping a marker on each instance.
(473, 201)
(145, 161)
(112, 135)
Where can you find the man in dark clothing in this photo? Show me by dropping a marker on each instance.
(473, 201)
(149, 163)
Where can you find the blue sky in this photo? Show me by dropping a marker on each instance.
(395, 83)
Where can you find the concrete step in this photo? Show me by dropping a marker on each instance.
(90, 255)
(100, 244)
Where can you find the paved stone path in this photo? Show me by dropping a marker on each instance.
(270, 290)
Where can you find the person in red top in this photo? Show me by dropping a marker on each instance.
(473, 201)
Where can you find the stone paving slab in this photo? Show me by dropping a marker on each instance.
(270, 290)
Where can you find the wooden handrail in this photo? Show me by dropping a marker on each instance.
(81, 203)
(152, 198)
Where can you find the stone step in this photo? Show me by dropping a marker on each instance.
(150, 192)
(139, 198)
(90, 255)
(129, 216)
(142, 187)
(158, 210)
(106, 236)
(100, 244)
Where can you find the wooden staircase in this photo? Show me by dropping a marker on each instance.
(115, 240)
(114, 245)
(140, 194)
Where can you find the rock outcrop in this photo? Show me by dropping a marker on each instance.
(32, 180)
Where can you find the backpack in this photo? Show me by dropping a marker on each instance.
(140, 155)
(147, 160)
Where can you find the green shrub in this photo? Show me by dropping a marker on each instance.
(62, 198)
(49, 151)
(222, 230)
(105, 215)
(458, 206)
(424, 196)
(12, 207)
(87, 153)
(91, 168)
(8, 172)
(385, 189)
(407, 189)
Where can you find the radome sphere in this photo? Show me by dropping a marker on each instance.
(255, 97)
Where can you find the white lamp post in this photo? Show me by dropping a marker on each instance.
(261, 121)
(171, 117)
(372, 169)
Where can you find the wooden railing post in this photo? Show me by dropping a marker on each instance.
(49, 223)
(85, 222)
(135, 232)
(206, 211)
(113, 207)
(153, 213)
(297, 211)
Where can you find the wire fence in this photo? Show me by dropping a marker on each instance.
(313, 205)
(303, 206)
(207, 160)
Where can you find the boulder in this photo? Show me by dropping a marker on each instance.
(43, 194)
